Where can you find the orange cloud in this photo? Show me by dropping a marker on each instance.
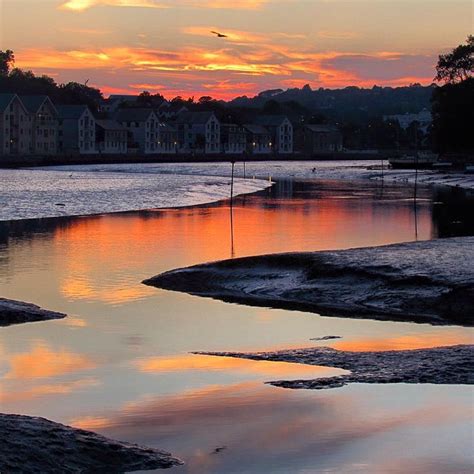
(196, 69)
(82, 5)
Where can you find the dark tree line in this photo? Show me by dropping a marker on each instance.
(453, 103)
(18, 81)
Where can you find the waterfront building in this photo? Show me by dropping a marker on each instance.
(170, 111)
(259, 139)
(43, 124)
(111, 137)
(143, 127)
(168, 139)
(76, 130)
(281, 131)
(199, 132)
(233, 139)
(423, 119)
(15, 127)
(321, 139)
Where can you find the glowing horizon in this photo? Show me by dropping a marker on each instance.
(166, 46)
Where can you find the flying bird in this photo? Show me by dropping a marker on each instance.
(219, 35)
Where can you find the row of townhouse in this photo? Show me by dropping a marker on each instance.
(33, 125)
(201, 133)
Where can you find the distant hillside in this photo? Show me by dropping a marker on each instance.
(349, 104)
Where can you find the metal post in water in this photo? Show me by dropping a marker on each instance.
(416, 160)
(416, 180)
(232, 183)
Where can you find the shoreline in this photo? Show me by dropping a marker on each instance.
(18, 312)
(39, 445)
(91, 159)
(453, 177)
(422, 282)
(439, 365)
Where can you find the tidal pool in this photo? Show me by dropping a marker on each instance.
(119, 364)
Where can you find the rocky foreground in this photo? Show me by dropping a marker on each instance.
(16, 312)
(439, 365)
(423, 282)
(36, 445)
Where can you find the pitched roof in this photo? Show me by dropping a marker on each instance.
(322, 128)
(5, 100)
(110, 125)
(256, 129)
(166, 127)
(133, 115)
(194, 117)
(71, 111)
(33, 102)
(270, 120)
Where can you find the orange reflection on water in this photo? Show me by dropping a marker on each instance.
(413, 341)
(63, 388)
(107, 256)
(280, 423)
(42, 361)
(215, 363)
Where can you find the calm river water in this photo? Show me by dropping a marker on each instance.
(120, 363)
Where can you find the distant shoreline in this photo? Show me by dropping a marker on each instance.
(97, 159)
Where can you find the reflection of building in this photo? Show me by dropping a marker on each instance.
(321, 139)
(15, 126)
(405, 120)
(234, 138)
(259, 139)
(76, 129)
(143, 129)
(111, 137)
(281, 131)
(43, 124)
(199, 132)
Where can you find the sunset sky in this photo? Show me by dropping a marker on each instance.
(126, 46)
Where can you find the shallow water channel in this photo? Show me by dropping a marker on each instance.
(120, 363)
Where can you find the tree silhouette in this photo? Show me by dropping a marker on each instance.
(458, 65)
(7, 59)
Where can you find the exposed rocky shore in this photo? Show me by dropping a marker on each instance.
(423, 282)
(16, 312)
(36, 445)
(439, 365)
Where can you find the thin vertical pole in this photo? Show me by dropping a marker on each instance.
(416, 180)
(232, 184)
(231, 208)
(416, 159)
(232, 250)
